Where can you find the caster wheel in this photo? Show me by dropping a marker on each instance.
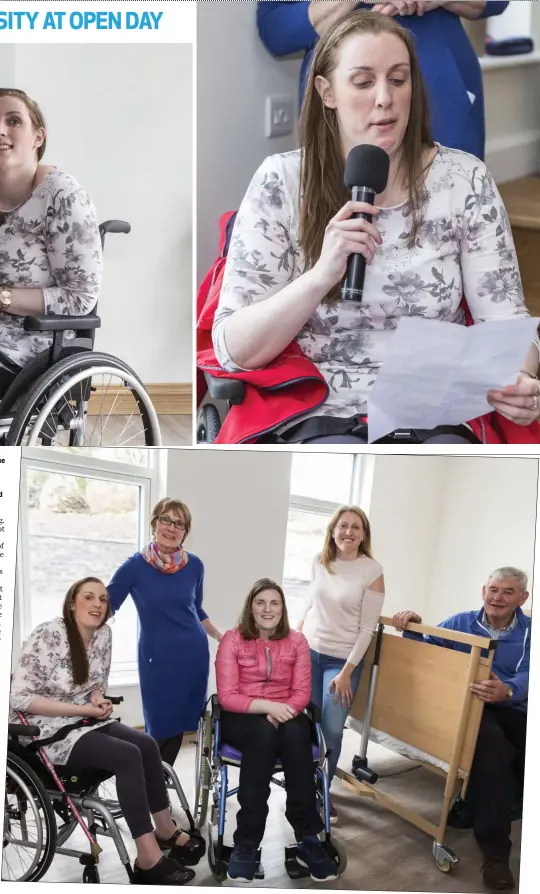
(91, 876)
(208, 424)
(444, 865)
(218, 868)
(445, 859)
(338, 853)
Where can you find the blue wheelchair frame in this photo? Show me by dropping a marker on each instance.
(218, 852)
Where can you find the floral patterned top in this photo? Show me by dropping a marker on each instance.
(465, 246)
(51, 242)
(44, 668)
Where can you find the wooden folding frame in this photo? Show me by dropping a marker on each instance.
(423, 698)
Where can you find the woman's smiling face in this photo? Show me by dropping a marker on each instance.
(19, 139)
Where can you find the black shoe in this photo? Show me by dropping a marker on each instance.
(166, 872)
(188, 854)
(496, 873)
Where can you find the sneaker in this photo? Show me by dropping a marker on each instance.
(333, 813)
(313, 855)
(497, 875)
(242, 864)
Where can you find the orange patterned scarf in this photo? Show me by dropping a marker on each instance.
(167, 564)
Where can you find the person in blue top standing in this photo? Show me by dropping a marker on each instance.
(500, 749)
(166, 585)
(447, 59)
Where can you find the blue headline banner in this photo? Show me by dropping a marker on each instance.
(80, 20)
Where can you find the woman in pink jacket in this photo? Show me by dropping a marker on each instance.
(263, 674)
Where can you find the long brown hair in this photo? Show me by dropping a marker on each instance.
(322, 191)
(34, 111)
(329, 550)
(246, 624)
(77, 650)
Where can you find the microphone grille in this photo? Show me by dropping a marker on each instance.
(369, 166)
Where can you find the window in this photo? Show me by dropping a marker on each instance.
(320, 484)
(83, 514)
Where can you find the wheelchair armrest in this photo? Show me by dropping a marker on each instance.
(216, 708)
(115, 699)
(60, 323)
(225, 389)
(314, 712)
(21, 731)
(114, 226)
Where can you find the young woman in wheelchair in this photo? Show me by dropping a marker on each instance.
(62, 674)
(439, 232)
(263, 677)
(50, 247)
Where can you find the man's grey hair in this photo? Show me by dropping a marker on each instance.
(509, 571)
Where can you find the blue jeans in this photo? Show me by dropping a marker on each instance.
(323, 670)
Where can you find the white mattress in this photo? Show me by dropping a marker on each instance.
(396, 745)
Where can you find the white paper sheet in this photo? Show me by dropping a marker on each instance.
(440, 373)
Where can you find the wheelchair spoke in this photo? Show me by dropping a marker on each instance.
(92, 406)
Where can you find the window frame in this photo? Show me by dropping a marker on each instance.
(360, 485)
(150, 479)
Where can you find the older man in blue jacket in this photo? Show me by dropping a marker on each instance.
(500, 749)
(447, 58)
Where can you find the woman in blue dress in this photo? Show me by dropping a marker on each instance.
(448, 61)
(166, 585)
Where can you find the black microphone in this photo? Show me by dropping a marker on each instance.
(366, 175)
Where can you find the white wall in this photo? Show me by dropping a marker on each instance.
(442, 524)
(405, 510)
(120, 121)
(234, 75)
(488, 521)
(239, 502)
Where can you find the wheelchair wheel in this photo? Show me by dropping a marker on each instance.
(56, 410)
(208, 424)
(218, 867)
(29, 837)
(202, 769)
(338, 853)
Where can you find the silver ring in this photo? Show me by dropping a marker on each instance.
(534, 407)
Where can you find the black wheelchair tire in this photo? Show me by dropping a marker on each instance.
(202, 770)
(218, 868)
(70, 366)
(208, 424)
(337, 851)
(38, 790)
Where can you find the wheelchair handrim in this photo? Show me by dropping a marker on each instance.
(87, 374)
(38, 845)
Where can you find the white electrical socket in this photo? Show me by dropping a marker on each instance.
(279, 115)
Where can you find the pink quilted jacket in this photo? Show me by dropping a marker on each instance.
(277, 670)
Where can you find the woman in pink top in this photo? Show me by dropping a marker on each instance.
(263, 672)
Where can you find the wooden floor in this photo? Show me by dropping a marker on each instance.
(175, 431)
(384, 852)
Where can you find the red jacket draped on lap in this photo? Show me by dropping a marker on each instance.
(292, 385)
